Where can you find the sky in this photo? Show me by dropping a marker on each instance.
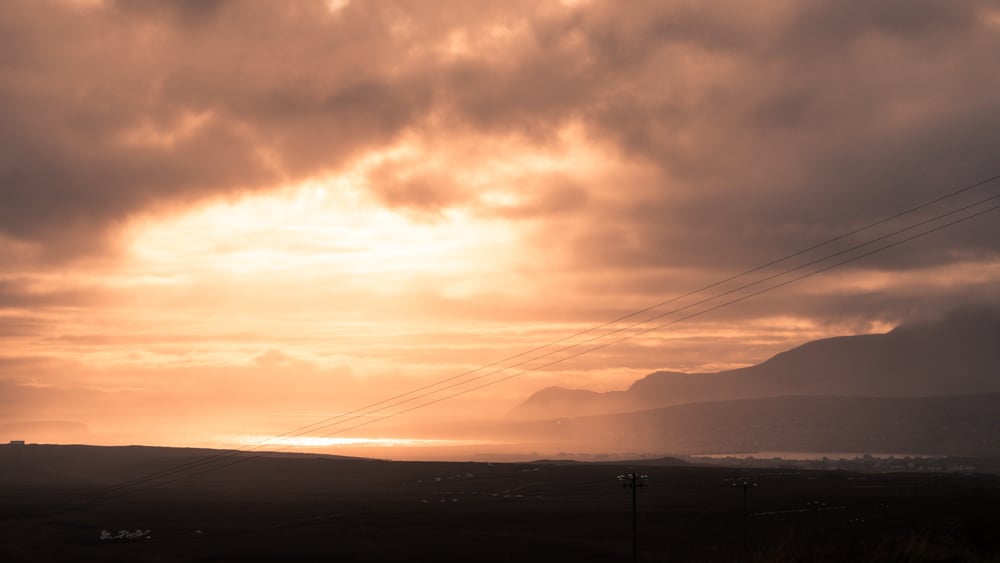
(223, 215)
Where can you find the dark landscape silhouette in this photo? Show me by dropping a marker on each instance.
(284, 507)
(933, 499)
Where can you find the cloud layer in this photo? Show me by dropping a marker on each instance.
(762, 122)
(553, 164)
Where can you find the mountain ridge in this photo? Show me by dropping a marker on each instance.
(957, 354)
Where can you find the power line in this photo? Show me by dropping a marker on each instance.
(661, 326)
(703, 301)
(357, 412)
(327, 423)
(393, 402)
(352, 415)
(633, 325)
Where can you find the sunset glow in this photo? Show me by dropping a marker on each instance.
(316, 442)
(215, 214)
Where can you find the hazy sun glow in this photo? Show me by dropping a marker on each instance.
(319, 228)
(332, 442)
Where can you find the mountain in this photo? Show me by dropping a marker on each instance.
(964, 425)
(958, 354)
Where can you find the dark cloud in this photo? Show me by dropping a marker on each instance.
(181, 12)
(784, 146)
(770, 127)
(832, 25)
(423, 193)
(120, 109)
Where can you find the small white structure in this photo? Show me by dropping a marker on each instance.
(138, 534)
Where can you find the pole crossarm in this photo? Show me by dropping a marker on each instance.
(745, 485)
(634, 481)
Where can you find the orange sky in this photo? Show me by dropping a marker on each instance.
(226, 215)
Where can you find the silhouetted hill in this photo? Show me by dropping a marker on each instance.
(956, 355)
(44, 431)
(554, 402)
(108, 465)
(952, 425)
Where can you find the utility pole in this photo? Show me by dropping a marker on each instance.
(746, 514)
(634, 481)
(816, 506)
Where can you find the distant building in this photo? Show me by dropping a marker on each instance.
(17, 442)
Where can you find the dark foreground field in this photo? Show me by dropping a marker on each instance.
(307, 508)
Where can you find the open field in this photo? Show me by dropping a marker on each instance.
(313, 508)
